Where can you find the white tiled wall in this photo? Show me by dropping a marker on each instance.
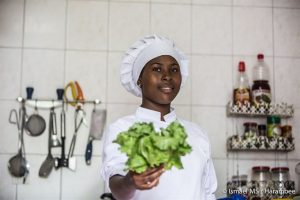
(46, 44)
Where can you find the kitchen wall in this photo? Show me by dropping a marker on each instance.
(47, 43)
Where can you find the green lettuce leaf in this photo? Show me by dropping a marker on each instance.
(146, 148)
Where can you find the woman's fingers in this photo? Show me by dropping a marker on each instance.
(148, 179)
(149, 185)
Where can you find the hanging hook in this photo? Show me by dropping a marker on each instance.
(94, 106)
(35, 106)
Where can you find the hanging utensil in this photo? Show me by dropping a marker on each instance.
(98, 120)
(78, 121)
(62, 161)
(77, 98)
(35, 124)
(15, 164)
(54, 142)
(18, 165)
(49, 163)
(77, 102)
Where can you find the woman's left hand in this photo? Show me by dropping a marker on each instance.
(147, 179)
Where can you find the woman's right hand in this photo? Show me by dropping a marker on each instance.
(147, 179)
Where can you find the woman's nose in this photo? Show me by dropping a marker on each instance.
(166, 76)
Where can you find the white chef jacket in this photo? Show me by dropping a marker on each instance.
(197, 179)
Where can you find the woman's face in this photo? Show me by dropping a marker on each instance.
(160, 80)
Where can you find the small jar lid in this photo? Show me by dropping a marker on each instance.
(261, 168)
(280, 169)
(250, 124)
(273, 119)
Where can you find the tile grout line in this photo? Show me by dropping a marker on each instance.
(107, 52)
(21, 64)
(150, 21)
(64, 80)
(107, 65)
(121, 51)
(273, 67)
(232, 82)
(22, 47)
(273, 49)
(191, 60)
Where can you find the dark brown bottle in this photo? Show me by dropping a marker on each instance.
(261, 90)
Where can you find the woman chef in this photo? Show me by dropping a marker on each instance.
(154, 69)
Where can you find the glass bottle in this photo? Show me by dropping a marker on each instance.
(261, 90)
(241, 92)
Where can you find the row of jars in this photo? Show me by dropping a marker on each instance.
(272, 129)
(265, 184)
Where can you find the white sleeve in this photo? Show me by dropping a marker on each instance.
(113, 161)
(210, 183)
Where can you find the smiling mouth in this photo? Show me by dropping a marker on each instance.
(166, 89)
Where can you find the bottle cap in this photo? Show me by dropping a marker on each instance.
(273, 120)
(260, 56)
(242, 66)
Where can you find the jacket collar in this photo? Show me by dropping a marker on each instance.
(151, 115)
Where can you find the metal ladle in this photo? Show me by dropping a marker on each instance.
(49, 163)
(297, 170)
(18, 165)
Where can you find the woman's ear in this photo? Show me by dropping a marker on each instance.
(139, 83)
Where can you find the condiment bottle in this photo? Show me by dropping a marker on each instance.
(241, 92)
(261, 91)
(286, 131)
(273, 126)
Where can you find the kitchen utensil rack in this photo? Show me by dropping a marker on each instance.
(50, 103)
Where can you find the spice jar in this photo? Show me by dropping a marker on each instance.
(286, 131)
(281, 181)
(250, 130)
(262, 130)
(273, 126)
(261, 173)
(280, 174)
(261, 177)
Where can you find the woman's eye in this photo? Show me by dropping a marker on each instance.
(156, 69)
(175, 69)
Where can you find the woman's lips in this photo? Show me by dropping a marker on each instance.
(166, 89)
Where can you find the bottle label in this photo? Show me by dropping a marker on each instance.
(241, 96)
(274, 130)
(261, 97)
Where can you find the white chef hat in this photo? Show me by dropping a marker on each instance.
(141, 52)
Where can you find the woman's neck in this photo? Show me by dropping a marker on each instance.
(162, 108)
